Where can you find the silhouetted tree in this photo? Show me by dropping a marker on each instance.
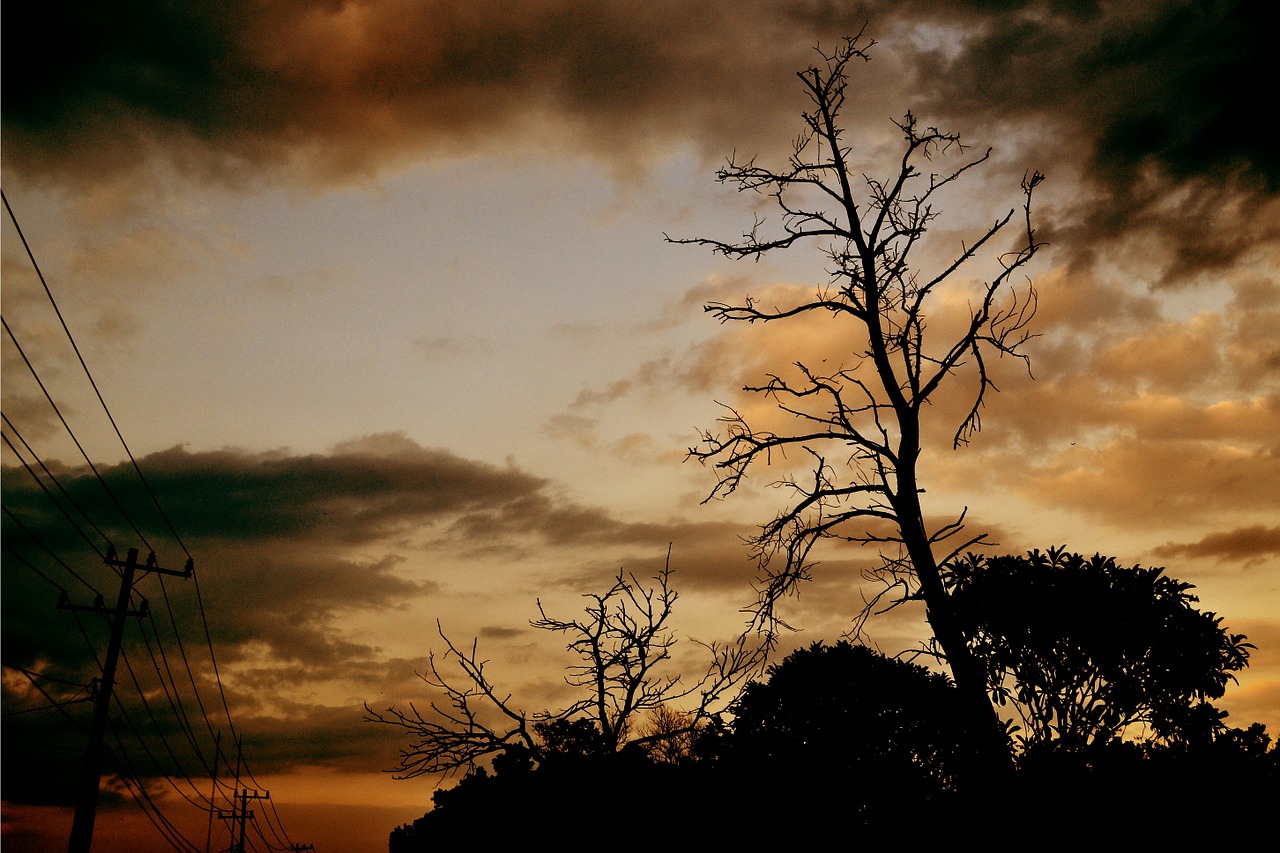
(883, 734)
(669, 736)
(860, 421)
(1086, 650)
(624, 647)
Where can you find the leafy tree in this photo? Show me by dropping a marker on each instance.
(882, 731)
(861, 421)
(1087, 650)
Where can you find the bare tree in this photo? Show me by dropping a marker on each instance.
(670, 735)
(624, 647)
(860, 425)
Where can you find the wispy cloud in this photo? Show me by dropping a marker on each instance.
(1241, 543)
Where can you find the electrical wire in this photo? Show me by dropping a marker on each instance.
(165, 671)
(167, 681)
(127, 773)
(54, 704)
(52, 500)
(72, 434)
(57, 483)
(36, 539)
(168, 747)
(146, 484)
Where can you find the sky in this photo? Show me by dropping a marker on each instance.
(377, 295)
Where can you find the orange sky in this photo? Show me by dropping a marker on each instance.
(378, 295)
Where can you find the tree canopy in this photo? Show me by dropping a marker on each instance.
(882, 727)
(1092, 656)
(1087, 650)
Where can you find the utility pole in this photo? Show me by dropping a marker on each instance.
(91, 774)
(245, 814)
(240, 814)
(213, 790)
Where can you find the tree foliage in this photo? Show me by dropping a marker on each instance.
(843, 742)
(860, 420)
(880, 726)
(1087, 650)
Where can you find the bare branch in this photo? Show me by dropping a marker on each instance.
(455, 733)
(870, 413)
(622, 643)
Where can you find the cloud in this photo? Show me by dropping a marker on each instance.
(348, 87)
(1134, 110)
(304, 566)
(351, 84)
(363, 491)
(288, 549)
(1164, 82)
(1139, 412)
(439, 349)
(1143, 412)
(1241, 543)
(1142, 102)
(286, 542)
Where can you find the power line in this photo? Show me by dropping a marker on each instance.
(48, 551)
(54, 704)
(165, 672)
(72, 434)
(55, 481)
(146, 484)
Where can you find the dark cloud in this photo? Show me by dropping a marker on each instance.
(275, 579)
(1146, 101)
(1168, 81)
(225, 86)
(1147, 105)
(1165, 83)
(502, 632)
(292, 552)
(1242, 543)
(319, 736)
(361, 492)
(271, 534)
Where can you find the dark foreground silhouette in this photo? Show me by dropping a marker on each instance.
(843, 746)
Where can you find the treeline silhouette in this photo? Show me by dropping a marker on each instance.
(1077, 708)
(1104, 673)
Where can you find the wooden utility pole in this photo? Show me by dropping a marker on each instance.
(240, 814)
(245, 814)
(213, 790)
(91, 774)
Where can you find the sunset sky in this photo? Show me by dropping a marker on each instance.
(378, 295)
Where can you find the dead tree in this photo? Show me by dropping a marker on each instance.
(860, 423)
(624, 649)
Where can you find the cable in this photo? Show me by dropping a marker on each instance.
(56, 482)
(177, 763)
(54, 704)
(71, 433)
(127, 773)
(94, 384)
(51, 498)
(163, 668)
(47, 550)
(30, 565)
(174, 697)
